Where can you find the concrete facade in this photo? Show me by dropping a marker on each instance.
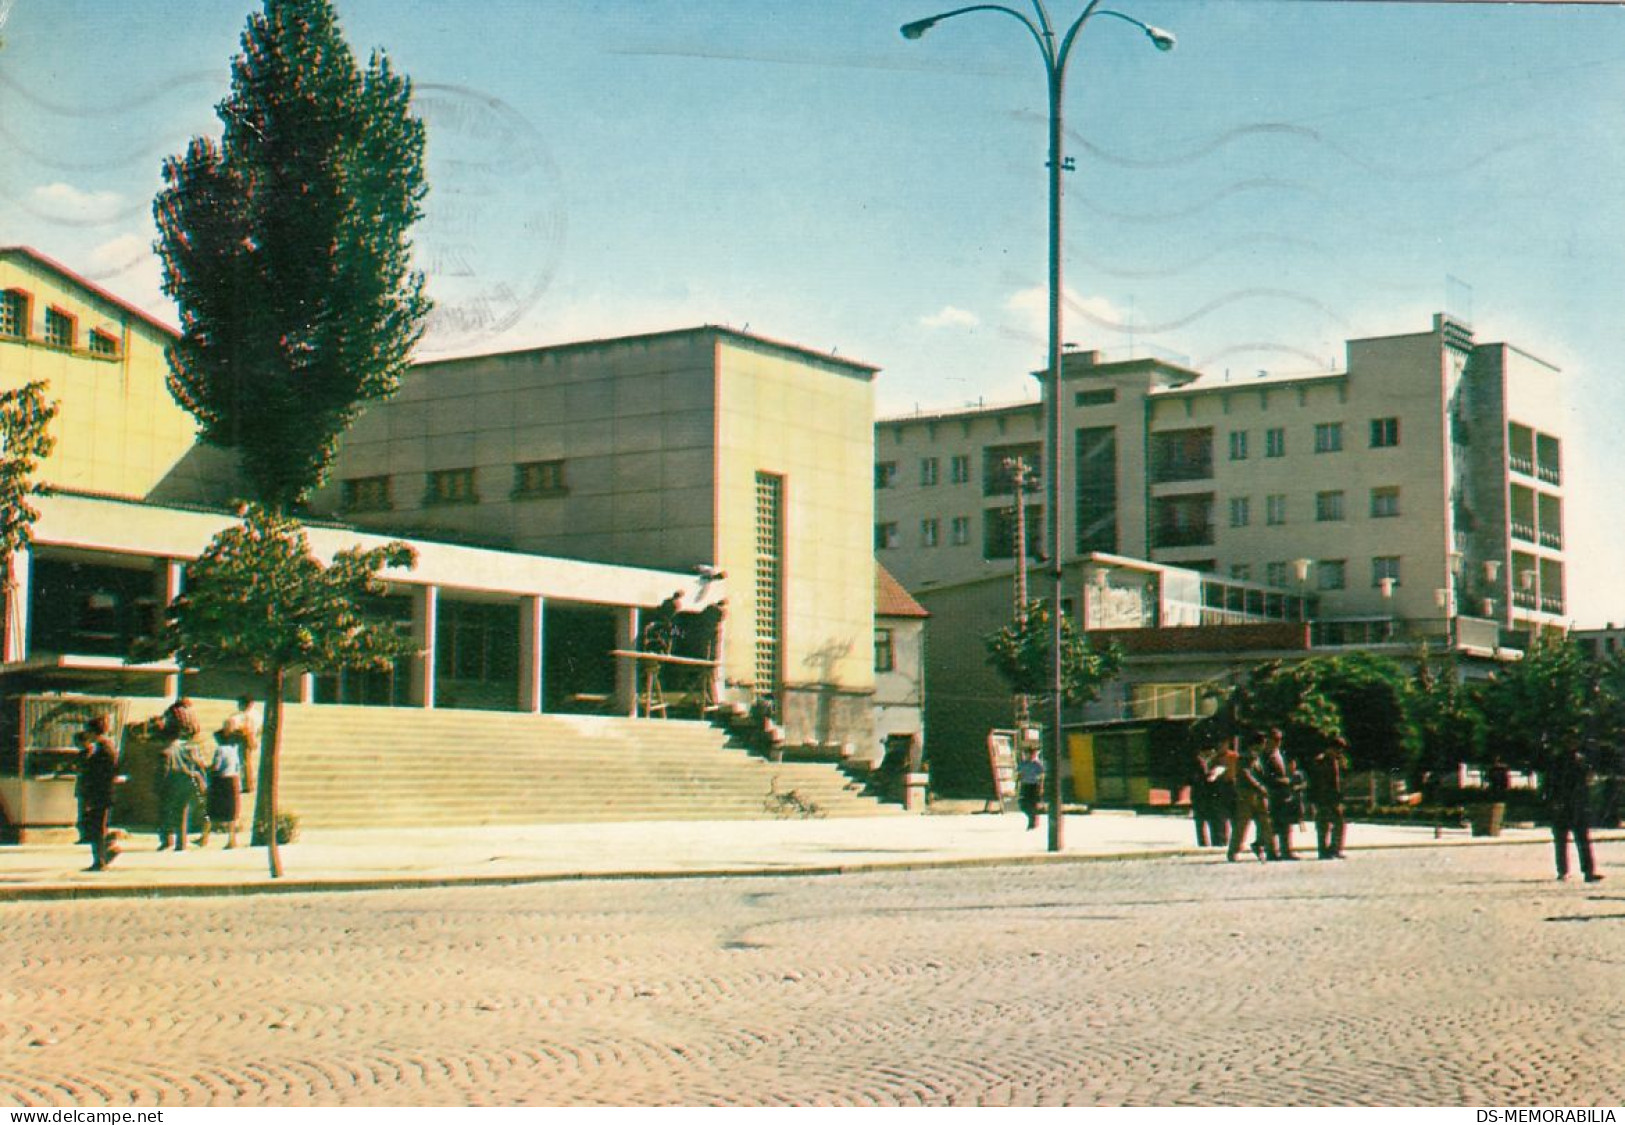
(705, 449)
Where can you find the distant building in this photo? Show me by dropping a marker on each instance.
(706, 451)
(900, 695)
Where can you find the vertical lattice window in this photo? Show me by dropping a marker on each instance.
(13, 313)
(769, 587)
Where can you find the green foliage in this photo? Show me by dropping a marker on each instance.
(1449, 724)
(25, 441)
(1020, 653)
(1553, 698)
(285, 247)
(257, 599)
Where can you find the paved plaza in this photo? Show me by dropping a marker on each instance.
(1431, 975)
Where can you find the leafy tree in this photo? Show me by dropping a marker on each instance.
(258, 600)
(1020, 653)
(1445, 712)
(25, 441)
(1548, 700)
(285, 247)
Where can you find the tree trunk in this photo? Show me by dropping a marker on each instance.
(270, 743)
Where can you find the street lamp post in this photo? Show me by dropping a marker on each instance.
(1056, 57)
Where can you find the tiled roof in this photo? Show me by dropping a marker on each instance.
(891, 600)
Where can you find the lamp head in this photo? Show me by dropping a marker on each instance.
(920, 27)
(1162, 40)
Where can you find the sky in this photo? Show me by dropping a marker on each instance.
(1295, 174)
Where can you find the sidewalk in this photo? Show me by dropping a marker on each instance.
(376, 859)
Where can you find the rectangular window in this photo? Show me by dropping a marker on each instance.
(930, 532)
(539, 478)
(1275, 574)
(1275, 509)
(366, 494)
(451, 486)
(1384, 502)
(103, 343)
(1001, 463)
(1385, 568)
(1238, 445)
(1095, 470)
(885, 474)
(960, 529)
(1328, 507)
(1241, 572)
(769, 665)
(1275, 442)
(1095, 398)
(885, 653)
(999, 532)
(14, 313)
(60, 330)
(1241, 511)
(1384, 433)
(886, 537)
(1180, 455)
(1328, 437)
(959, 468)
(1182, 521)
(1331, 574)
(928, 472)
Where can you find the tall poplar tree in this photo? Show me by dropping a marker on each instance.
(285, 246)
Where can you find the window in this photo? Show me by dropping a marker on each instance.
(1238, 445)
(1241, 512)
(103, 343)
(999, 532)
(539, 478)
(1328, 507)
(1384, 433)
(1331, 574)
(1241, 572)
(1000, 463)
(1275, 574)
(960, 530)
(1385, 502)
(1095, 398)
(930, 532)
(886, 537)
(885, 653)
(1328, 437)
(366, 494)
(1178, 455)
(14, 313)
(451, 486)
(1275, 442)
(1275, 509)
(885, 474)
(1385, 567)
(959, 469)
(1182, 521)
(59, 328)
(928, 471)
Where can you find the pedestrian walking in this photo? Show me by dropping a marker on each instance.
(181, 781)
(1568, 799)
(1252, 807)
(1030, 783)
(245, 724)
(1326, 795)
(1208, 807)
(225, 788)
(98, 771)
(1283, 795)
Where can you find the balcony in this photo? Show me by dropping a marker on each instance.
(1523, 529)
(1522, 464)
(1552, 539)
(1525, 599)
(1551, 604)
(1550, 474)
(1170, 535)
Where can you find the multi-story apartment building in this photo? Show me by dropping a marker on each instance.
(1421, 487)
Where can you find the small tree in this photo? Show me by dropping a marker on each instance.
(1449, 724)
(1548, 700)
(25, 441)
(257, 599)
(284, 246)
(1020, 653)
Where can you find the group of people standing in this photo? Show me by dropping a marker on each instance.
(196, 783)
(1236, 787)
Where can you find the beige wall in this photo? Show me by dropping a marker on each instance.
(117, 430)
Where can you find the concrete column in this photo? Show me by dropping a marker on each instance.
(307, 687)
(425, 620)
(626, 669)
(170, 580)
(531, 672)
(19, 599)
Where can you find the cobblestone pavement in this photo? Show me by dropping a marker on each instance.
(1431, 976)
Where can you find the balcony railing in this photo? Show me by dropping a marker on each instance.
(1522, 529)
(1552, 539)
(1521, 464)
(1551, 604)
(1551, 474)
(1525, 599)
(1170, 536)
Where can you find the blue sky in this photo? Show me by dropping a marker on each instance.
(1296, 173)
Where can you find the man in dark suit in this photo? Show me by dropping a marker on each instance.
(1568, 797)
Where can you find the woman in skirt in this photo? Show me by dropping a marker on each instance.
(225, 787)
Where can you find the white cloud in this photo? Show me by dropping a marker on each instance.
(1030, 307)
(127, 267)
(951, 317)
(63, 200)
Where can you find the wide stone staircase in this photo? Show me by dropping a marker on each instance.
(366, 767)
